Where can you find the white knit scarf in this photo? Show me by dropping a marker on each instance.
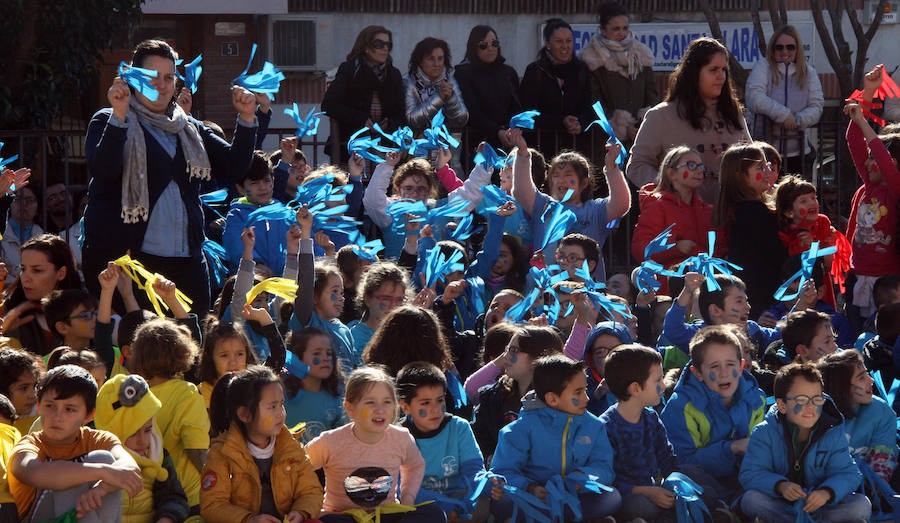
(627, 57)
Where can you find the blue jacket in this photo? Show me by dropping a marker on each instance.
(271, 237)
(601, 400)
(872, 432)
(701, 428)
(839, 323)
(826, 463)
(679, 333)
(546, 442)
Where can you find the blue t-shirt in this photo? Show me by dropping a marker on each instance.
(361, 333)
(318, 409)
(642, 450)
(591, 222)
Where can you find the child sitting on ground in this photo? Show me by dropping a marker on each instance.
(9, 435)
(126, 408)
(555, 436)
(72, 316)
(806, 336)
(807, 431)
(712, 410)
(68, 466)
(19, 373)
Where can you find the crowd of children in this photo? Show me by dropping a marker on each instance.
(449, 378)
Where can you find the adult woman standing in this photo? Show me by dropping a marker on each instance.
(430, 87)
(144, 157)
(621, 71)
(700, 111)
(490, 89)
(47, 265)
(785, 96)
(366, 90)
(557, 85)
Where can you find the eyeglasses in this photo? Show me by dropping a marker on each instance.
(694, 166)
(602, 352)
(804, 400)
(789, 47)
(387, 301)
(381, 44)
(304, 170)
(84, 315)
(415, 189)
(494, 43)
(571, 258)
(763, 164)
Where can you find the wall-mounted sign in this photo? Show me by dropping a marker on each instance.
(230, 28)
(229, 48)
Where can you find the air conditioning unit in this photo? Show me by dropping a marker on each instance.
(300, 42)
(890, 12)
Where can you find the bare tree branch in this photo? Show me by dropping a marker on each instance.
(782, 11)
(774, 15)
(757, 26)
(830, 48)
(737, 71)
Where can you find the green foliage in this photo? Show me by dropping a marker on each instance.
(51, 49)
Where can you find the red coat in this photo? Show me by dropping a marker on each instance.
(658, 211)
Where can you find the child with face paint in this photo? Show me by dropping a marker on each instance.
(642, 452)
(595, 345)
(806, 336)
(672, 199)
(745, 219)
(452, 457)
(383, 287)
(799, 220)
(714, 406)
(256, 468)
(371, 464)
(313, 399)
(801, 453)
(872, 229)
(869, 421)
(498, 403)
(320, 299)
(555, 435)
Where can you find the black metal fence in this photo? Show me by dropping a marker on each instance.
(59, 155)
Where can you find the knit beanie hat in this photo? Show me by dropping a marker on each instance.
(124, 404)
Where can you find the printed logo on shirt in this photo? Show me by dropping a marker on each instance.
(584, 440)
(368, 486)
(449, 465)
(209, 480)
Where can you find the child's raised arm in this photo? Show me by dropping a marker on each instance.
(304, 303)
(619, 196)
(487, 256)
(103, 342)
(375, 199)
(277, 354)
(523, 189)
(354, 202)
(244, 280)
(470, 190)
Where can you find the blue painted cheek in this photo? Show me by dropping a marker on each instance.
(316, 361)
(819, 409)
(513, 358)
(334, 297)
(576, 402)
(423, 413)
(659, 390)
(712, 377)
(798, 409)
(734, 374)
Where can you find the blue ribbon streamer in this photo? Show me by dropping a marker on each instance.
(139, 78)
(6, 161)
(210, 198)
(493, 198)
(557, 220)
(524, 120)
(192, 72)
(404, 139)
(295, 366)
(215, 258)
(660, 243)
(802, 516)
(807, 262)
(603, 122)
(648, 270)
(463, 230)
(267, 80)
(708, 265)
(437, 265)
(490, 158)
(437, 136)
(688, 505)
(363, 145)
(457, 390)
(543, 280)
(369, 250)
(308, 126)
(601, 302)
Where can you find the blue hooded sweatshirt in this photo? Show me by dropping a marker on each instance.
(825, 464)
(872, 432)
(701, 427)
(271, 237)
(601, 400)
(677, 332)
(545, 442)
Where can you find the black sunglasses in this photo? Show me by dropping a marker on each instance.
(484, 45)
(381, 44)
(789, 47)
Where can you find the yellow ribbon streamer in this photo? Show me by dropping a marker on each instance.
(362, 516)
(136, 270)
(281, 287)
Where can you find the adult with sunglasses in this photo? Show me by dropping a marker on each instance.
(366, 90)
(621, 71)
(557, 84)
(673, 199)
(490, 90)
(430, 87)
(785, 96)
(20, 227)
(701, 110)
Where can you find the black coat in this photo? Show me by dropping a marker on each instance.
(491, 94)
(349, 98)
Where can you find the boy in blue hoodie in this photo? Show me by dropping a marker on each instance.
(729, 304)
(556, 436)
(801, 453)
(452, 456)
(257, 185)
(714, 406)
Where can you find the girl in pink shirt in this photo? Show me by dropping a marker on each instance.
(365, 460)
